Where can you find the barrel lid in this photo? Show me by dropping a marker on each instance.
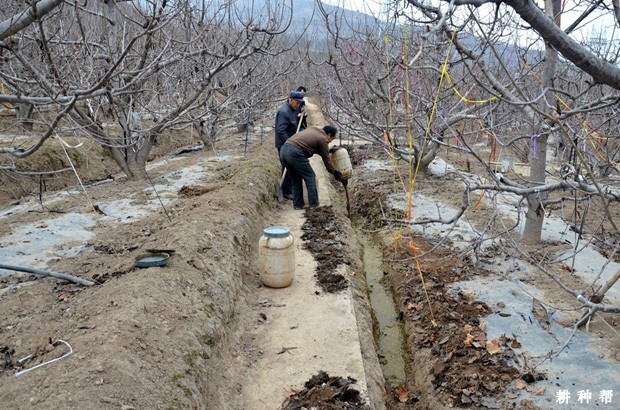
(276, 232)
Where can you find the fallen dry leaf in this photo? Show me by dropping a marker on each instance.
(540, 391)
(515, 344)
(63, 297)
(480, 337)
(493, 347)
(527, 404)
(468, 340)
(288, 393)
(512, 396)
(520, 384)
(402, 393)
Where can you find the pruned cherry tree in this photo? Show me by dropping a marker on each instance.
(430, 75)
(123, 72)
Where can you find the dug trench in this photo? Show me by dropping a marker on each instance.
(174, 337)
(446, 359)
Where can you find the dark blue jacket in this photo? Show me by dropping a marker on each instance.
(286, 124)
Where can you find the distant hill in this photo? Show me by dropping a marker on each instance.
(307, 16)
(306, 13)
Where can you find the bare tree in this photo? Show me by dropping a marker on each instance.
(433, 75)
(122, 73)
(455, 68)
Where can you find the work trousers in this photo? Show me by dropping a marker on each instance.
(301, 171)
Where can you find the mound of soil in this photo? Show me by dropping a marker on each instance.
(141, 338)
(326, 392)
(323, 238)
(466, 367)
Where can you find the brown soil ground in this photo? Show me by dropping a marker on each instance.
(143, 338)
(451, 362)
(165, 337)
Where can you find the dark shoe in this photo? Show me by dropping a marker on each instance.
(289, 197)
(299, 207)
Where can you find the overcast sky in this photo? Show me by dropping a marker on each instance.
(598, 24)
(365, 6)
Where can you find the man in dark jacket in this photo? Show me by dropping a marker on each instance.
(288, 120)
(294, 155)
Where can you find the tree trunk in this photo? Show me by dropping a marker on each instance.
(535, 215)
(24, 114)
(132, 160)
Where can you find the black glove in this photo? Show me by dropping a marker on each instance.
(333, 149)
(337, 175)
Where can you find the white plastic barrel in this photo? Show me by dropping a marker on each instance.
(276, 257)
(341, 161)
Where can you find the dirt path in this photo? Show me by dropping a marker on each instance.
(299, 331)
